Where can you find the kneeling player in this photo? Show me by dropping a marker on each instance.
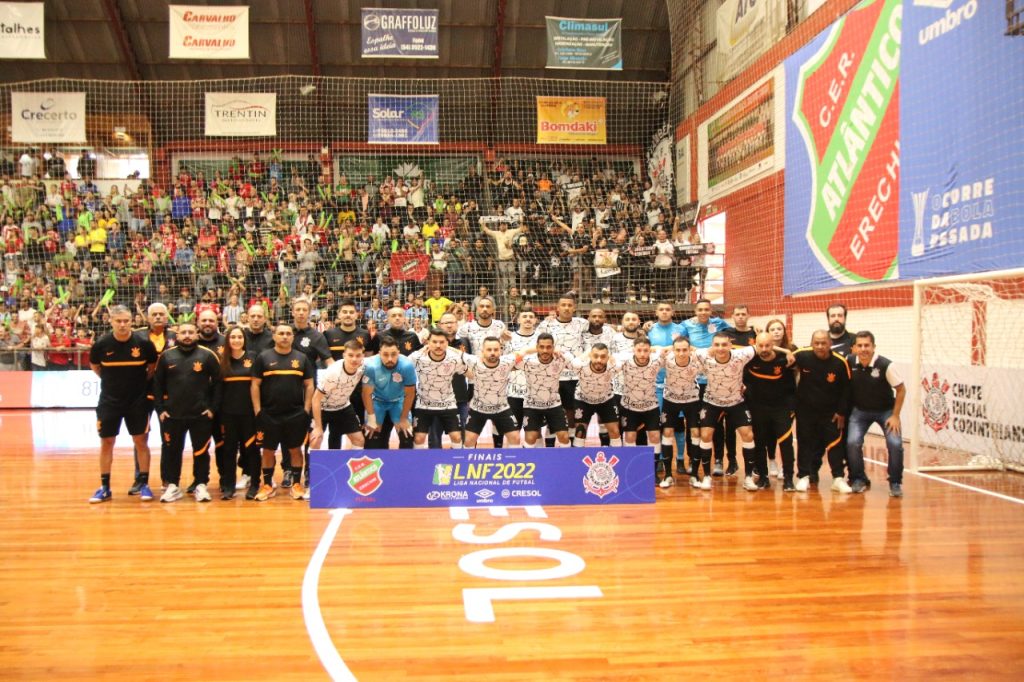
(594, 394)
(490, 373)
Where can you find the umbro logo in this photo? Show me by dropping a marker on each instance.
(484, 494)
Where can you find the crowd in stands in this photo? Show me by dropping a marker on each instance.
(263, 230)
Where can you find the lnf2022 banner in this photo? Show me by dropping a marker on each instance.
(961, 205)
(843, 152)
(571, 120)
(22, 32)
(402, 33)
(402, 119)
(464, 478)
(584, 43)
(208, 32)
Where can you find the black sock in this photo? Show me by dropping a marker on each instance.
(144, 477)
(499, 440)
(604, 439)
(268, 475)
(549, 442)
(105, 480)
(641, 437)
(666, 453)
(297, 473)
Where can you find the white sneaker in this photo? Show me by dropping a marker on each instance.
(202, 494)
(773, 470)
(694, 483)
(243, 482)
(839, 485)
(803, 484)
(748, 484)
(172, 494)
(706, 483)
(667, 482)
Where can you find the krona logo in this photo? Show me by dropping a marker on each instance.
(934, 406)
(364, 476)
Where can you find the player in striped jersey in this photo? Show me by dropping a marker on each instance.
(474, 333)
(490, 373)
(542, 406)
(680, 407)
(594, 394)
(639, 403)
(332, 400)
(599, 332)
(522, 338)
(567, 331)
(435, 366)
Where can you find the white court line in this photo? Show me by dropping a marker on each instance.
(315, 626)
(953, 483)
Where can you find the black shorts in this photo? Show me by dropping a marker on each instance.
(737, 415)
(287, 432)
(680, 416)
(503, 422)
(607, 412)
(649, 419)
(567, 392)
(552, 417)
(136, 419)
(423, 419)
(343, 421)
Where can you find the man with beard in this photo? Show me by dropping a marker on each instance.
(842, 341)
(490, 372)
(389, 390)
(822, 402)
(332, 400)
(435, 366)
(771, 397)
(162, 338)
(406, 339)
(594, 395)
(257, 337)
(212, 340)
(339, 335)
(661, 335)
(567, 331)
(309, 340)
(187, 386)
(598, 332)
(525, 336)
(742, 335)
(474, 333)
(542, 406)
(449, 324)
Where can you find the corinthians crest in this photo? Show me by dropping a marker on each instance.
(601, 478)
(934, 406)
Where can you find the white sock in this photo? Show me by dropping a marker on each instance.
(512, 445)
(668, 440)
(601, 428)
(355, 447)
(695, 441)
(615, 441)
(579, 442)
(657, 448)
(419, 446)
(560, 444)
(544, 433)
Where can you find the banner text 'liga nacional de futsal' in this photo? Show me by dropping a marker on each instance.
(402, 119)
(399, 33)
(584, 43)
(887, 178)
(489, 477)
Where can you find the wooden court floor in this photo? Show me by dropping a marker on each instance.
(725, 584)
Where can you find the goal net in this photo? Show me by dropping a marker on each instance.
(965, 407)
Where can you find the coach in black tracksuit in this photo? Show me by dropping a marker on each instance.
(187, 393)
(771, 397)
(822, 401)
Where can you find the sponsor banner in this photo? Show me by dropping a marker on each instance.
(71, 388)
(48, 117)
(402, 119)
(488, 477)
(843, 152)
(683, 171)
(660, 156)
(744, 141)
(584, 43)
(402, 33)
(571, 120)
(744, 30)
(208, 32)
(408, 266)
(22, 30)
(241, 114)
(961, 208)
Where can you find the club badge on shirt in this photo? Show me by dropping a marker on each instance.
(305, 342)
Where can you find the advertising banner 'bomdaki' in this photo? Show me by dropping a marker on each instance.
(241, 114)
(962, 108)
(594, 44)
(22, 30)
(208, 32)
(48, 117)
(843, 152)
(571, 120)
(399, 33)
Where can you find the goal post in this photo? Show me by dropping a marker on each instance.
(965, 404)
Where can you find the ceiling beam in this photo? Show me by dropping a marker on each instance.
(124, 42)
(499, 38)
(314, 51)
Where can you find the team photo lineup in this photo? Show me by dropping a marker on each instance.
(689, 389)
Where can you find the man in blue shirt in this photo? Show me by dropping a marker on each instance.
(661, 335)
(389, 390)
(701, 329)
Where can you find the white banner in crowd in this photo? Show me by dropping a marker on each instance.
(209, 32)
(241, 114)
(682, 174)
(745, 29)
(48, 117)
(21, 30)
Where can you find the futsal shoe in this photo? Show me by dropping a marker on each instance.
(733, 468)
(102, 494)
(250, 494)
(227, 494)
(202, 494)
(288, 479)
(172, 494)
(265, 493)
(718, 470)
(145, 494)
(773, 470)
(298, 491)
(136, 487)
(895, 490)
(706, 483)
(803, 484)
(788, 487)
(667, 482)
(192, 488)
(749, 484)
(243, 482)
(839, 485)
(859, 486)
(764, 484)
(695, 482)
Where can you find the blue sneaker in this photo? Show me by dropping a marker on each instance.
(145, 494)
(102, 494)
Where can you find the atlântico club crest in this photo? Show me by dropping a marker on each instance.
(364, 474)
(934, 406)
(601, 478)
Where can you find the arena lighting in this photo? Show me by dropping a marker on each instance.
(307, 90)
